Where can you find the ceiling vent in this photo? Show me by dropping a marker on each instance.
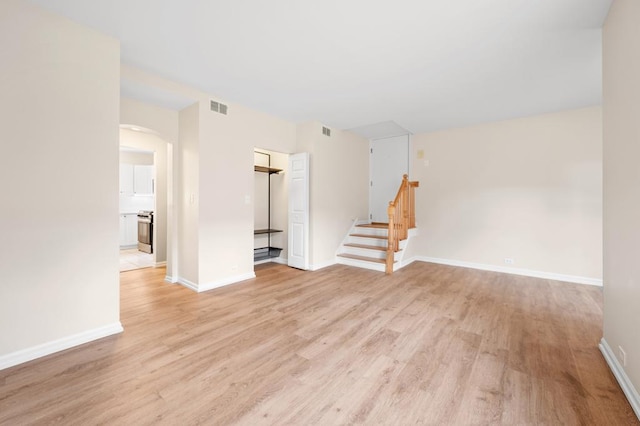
(219, 107)
(326, 131)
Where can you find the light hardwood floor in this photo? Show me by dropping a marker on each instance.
(429, 344)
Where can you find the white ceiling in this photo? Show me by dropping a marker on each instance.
(422, 64)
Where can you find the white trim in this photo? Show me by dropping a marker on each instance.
(188, 284)
(322, 265)
(224, 282)
(515, 271)
(407, 262)
(38, 351)
(621, 376)
(159, 264)
(260, 262)
(171, 279)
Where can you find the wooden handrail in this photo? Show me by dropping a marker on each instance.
(402, 217)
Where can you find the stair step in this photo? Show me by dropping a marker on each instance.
(365, 246)
(379, 237)
(363, 258)
(376, 225)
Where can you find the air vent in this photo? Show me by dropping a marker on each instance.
(326, 131)
(218, 107)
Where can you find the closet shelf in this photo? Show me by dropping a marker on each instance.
(266, 231)
(264, 169)
(264, 253)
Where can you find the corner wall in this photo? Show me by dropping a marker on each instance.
(188, 198)
(528, 189)
(339, 192)
(59, 183)
(621, 84)
(226, 188)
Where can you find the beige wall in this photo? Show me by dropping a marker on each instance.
(339, 191)
(528, 189)
(161, 120)
(131, 157)
(59, 181)
(621, 106)
(187, 158)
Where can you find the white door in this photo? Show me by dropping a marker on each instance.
(299, 210)
(389, 161)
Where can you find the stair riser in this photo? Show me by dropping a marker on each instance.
(368, 241)
(361, 264)
(377, 254)
(371, 231)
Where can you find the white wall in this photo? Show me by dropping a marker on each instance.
(159, 158)
(528, 189)
(339, 192)
(187, 157)
(161, 120)
(621, 35)
(59, 182)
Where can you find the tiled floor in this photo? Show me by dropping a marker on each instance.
(134, 259)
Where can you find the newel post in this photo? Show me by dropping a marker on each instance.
(391, 211)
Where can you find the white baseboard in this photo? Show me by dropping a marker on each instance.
(171, 279)
(199, 288)
(188, 284)
(407, 262)
(621, 376)
(515, 271)
(29, 354)
(159, 264)
(315, 267)
(226, 281)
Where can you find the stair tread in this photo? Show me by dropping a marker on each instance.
(376, 225)
(365, 246)
(364, 258)
(380, 237)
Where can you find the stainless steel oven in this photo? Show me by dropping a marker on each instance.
(145, 231)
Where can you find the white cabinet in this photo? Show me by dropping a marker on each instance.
(128, 230)
(143, 180)
(126, 179)
(136, 179)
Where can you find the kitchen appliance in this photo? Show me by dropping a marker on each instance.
(145, 231)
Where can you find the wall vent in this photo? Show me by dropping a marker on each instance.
(326, 131)
(219, 107)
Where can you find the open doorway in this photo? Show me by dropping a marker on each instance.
(144, 194)
(270, 206)
(389, 162)
(137, 204)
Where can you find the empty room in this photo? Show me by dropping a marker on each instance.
(298, 212)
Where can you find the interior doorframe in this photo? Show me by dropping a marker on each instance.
(409, 165)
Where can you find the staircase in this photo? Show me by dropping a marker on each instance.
(366, 247)
(380, 246)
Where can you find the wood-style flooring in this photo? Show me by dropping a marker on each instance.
(430, 344)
